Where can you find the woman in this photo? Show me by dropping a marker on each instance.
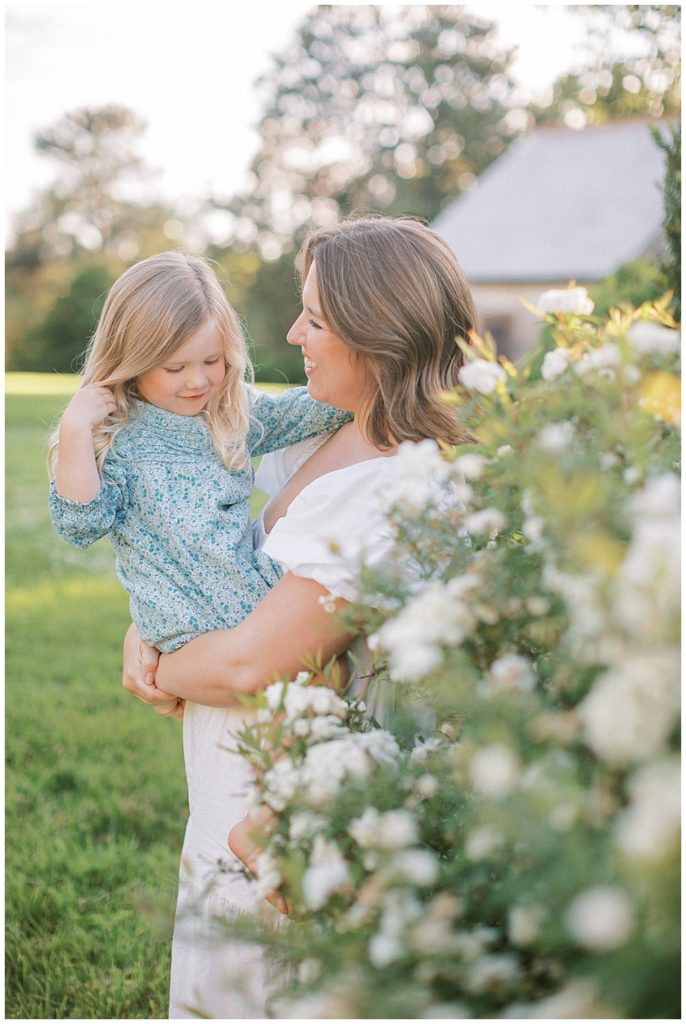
(383, 301)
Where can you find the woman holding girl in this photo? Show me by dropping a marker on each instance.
(383, 302)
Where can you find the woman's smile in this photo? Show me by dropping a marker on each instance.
(335, 374)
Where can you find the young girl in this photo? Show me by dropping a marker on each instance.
(155, 450)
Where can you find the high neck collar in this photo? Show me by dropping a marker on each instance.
(172, 424)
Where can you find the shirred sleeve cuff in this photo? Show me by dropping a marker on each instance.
(81, 523)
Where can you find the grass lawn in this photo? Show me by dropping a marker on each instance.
(95, 792)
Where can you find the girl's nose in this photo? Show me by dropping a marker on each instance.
(196, 379)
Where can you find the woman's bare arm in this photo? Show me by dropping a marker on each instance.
(275, 641)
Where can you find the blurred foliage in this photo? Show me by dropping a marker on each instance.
(368, 108)
(633, 283)
(374, 108)
(648, 84)
(671, 147)
(59, 342)
(88, 209)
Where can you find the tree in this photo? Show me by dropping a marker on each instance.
(646, 83)
(87, 208)
(60, 340)
(88, 211)
(374, 108)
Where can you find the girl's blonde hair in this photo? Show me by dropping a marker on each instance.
(392, 290)
(149, 311)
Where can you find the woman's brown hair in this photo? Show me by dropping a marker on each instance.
(392, 290)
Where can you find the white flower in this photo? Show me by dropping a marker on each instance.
(327, 874)
(648, 585)
(649, 827)
(524, 924)
(309, 970)
(328, 602)
(274, 694)
(608, 460)
(659, 498)
(605, 357)
(304, 825)
(400, 908)
(280, 784)
(600, 918)
(384, 949)
(435, 617)
(505, 449)
(494, 770)
(427, 786)
(482, 842)
(533, 529)
(390, 830)
(420, 476)
(632, 708)
(486, 522)
(565, 300)
(555, 437)
(649, 338)
(268, 874)
(494, 971)
(326, 728)
(512, 671)
(482, 375)
(576, 1001)
(423, 748)
(420, 867)
(554, 363)
(328, 765)
(471, 465)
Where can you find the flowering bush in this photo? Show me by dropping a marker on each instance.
(521, 860)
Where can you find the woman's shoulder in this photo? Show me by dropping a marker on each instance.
(334, 523)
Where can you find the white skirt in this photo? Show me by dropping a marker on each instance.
(212, 974)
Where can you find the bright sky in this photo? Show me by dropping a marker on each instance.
(188, 70)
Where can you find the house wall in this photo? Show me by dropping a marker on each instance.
(501, 313)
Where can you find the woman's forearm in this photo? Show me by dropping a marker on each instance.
(285, 633)
(206, 671)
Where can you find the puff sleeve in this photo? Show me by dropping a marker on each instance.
(82, 523)
(333, 525)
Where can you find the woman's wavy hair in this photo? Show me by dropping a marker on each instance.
(392, 290)
(149, 311)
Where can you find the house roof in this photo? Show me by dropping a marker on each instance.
(560, 204)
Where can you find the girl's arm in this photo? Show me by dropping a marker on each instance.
(287, 629)
(281, 420)
(77, 476)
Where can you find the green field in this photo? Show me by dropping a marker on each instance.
(95, 792)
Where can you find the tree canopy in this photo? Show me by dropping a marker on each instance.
(374, 108)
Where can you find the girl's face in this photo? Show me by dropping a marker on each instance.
(193, 374)
(335, 374)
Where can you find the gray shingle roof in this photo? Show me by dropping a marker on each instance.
(560, 204)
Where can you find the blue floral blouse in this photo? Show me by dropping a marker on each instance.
(179, 520)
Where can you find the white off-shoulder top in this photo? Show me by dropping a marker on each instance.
(335, 522)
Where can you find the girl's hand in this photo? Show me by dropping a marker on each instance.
(140, 665)
(89, 407)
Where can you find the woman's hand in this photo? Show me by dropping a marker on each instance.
(140, 666)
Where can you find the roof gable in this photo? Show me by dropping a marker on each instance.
(560, 204)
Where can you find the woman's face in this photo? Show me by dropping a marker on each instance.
(335, 374)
